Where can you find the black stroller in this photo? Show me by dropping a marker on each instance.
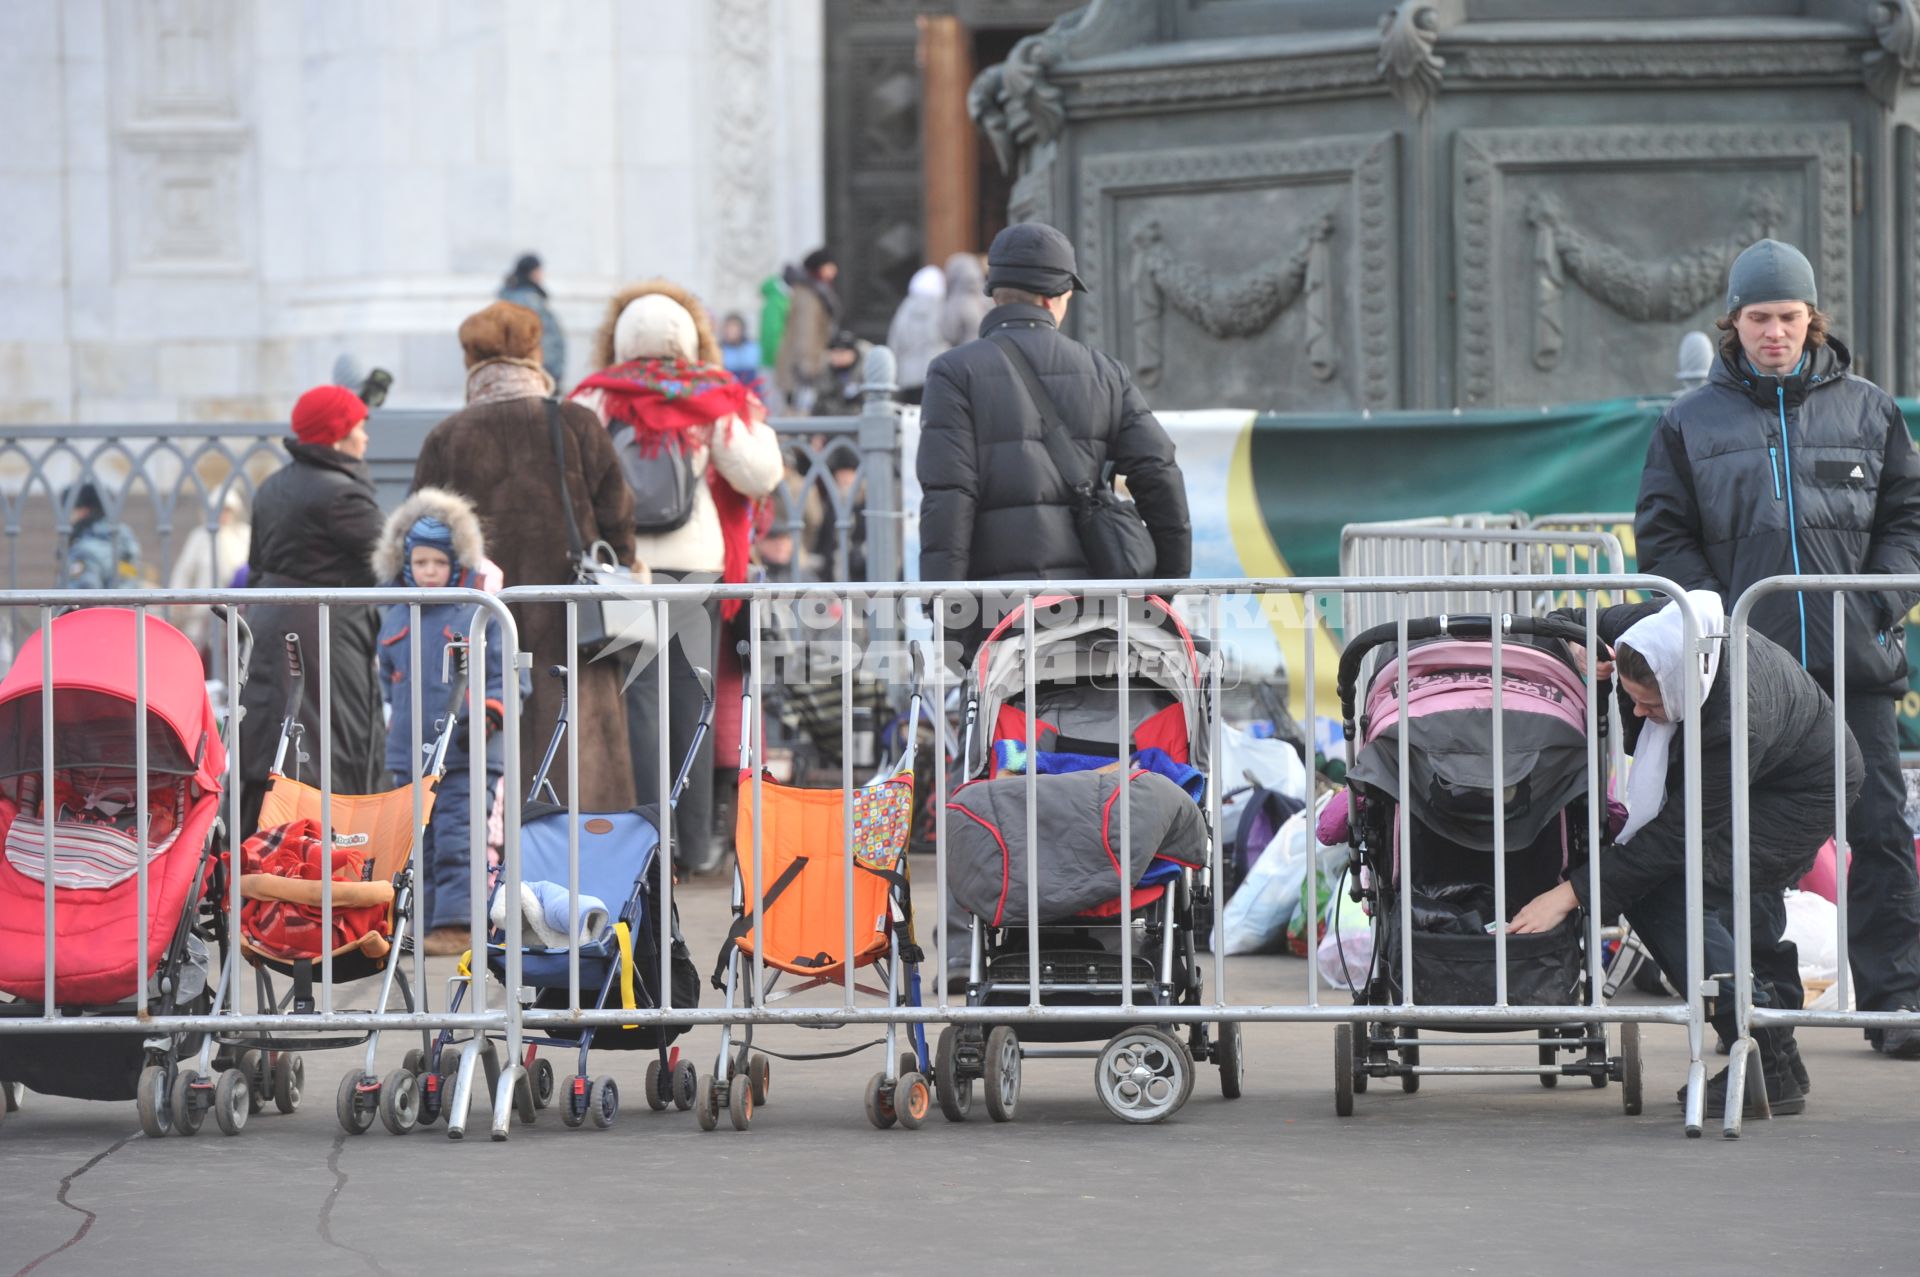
(1450, 886)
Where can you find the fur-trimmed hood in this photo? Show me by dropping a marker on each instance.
(452, 509)
(707, 348)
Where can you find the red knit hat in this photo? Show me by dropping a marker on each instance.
(327, 414)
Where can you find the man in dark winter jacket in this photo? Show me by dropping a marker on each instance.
(995, 507)
(1643, 871)
(1785, 463)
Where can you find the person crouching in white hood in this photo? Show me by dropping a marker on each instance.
(1791, 788)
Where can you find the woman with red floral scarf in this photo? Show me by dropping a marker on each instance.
(661, 374)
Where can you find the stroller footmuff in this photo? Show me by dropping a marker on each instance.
(1425, 847)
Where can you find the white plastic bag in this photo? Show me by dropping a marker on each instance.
(1346, 950)
(1812, 923)
(1265, 762)
(1256, 917)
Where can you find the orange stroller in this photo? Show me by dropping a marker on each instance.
(278, 924)
(801, 926)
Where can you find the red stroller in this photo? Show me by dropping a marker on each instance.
(96, 848)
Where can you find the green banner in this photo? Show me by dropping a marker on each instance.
(1313, 475)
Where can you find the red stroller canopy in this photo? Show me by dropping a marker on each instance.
(95, 693)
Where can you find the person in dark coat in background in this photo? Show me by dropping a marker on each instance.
(1785, 462)
(315, 522)
(1643, 874)
(994, 506)
(497, 452)
(526, 286)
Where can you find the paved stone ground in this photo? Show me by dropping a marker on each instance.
(1469, 1175)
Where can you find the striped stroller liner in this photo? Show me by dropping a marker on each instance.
(92, 849)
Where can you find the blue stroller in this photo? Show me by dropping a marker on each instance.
(619, 964)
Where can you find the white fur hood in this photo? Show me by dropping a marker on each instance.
(451, 509)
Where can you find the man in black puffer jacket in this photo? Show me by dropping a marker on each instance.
(1784, 463)
(995, 507)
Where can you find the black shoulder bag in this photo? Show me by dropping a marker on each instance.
(1112, 535)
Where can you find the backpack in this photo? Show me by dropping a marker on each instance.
(661, 479)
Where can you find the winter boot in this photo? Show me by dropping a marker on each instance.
(1785, 1096)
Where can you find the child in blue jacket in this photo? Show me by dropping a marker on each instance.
(431, 542)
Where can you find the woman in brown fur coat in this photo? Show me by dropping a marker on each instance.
(497, 453)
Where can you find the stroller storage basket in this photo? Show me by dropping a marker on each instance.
(1455, 970)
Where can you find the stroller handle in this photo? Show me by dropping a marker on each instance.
(1476, 626)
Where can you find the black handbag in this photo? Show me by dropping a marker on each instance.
(1112, 535)
(600, 620)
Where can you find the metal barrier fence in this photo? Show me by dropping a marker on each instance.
(1392, 1016)
(93, 672)
(1743, 1061)
(1419, 548)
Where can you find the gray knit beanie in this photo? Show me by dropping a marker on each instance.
(1770, 271)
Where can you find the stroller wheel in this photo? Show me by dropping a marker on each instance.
(1409, 1059)
(708, 1111)
(912, 1100)
(354, 1103)
(880, 1102)
(253, 1065)
(658, 1085)
(542, 1072)
(232, 1101)
(156, 1115)
(603, 1101)
(1549, 1056)
(1002, 1073)
(400, 1101)
(907, 1063)
(432, 1090)
(1630, 1068)
(1363, 1034)
(954, 1092)
(1143, 1075)
(740, 1103)
(573, 1105)
(289, 1078)
(760, 1078)
(686, 1085)
(1344, 1074)
(1233, 1064)
(490, 1064)
(414, 1061)
(187, 1115)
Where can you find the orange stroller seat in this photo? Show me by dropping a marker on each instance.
(385, 820)
(804, 930)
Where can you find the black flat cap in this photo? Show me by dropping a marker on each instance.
(1033, 256)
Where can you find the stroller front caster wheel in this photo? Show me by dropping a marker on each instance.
(289, 1079)
(156, 1114)
(400, 1101)
(880, 1102)
(740, 1102)
(1409, 1060)
(526, 1100)
(414, 1061)
(1143, 1075)
(253, 1066)
(760, 1077)
(1229, 1055)
(543, 1084)
(1345, 1076)
(187, 1113)
(573, 1105)
(912, 1100)
(603, 1102)
(658, 1086)
(232, 1101)
(707, 1112)
(354, 1103)
(1630, 1068)
(686, 1085)
(1002, 1073)
(954, 1092)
